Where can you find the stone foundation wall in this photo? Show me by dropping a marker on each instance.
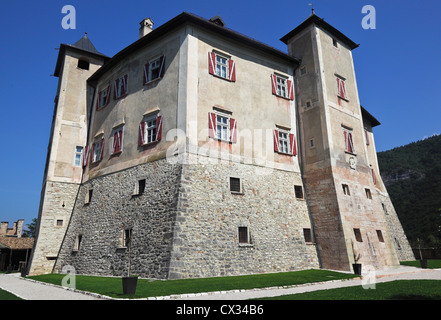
(113, 208)
(209, 214)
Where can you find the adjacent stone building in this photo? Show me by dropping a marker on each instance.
(208, 153)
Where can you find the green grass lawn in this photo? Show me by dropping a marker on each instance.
(394, 290)
(431, 264)
(113, 286)
(5, 295)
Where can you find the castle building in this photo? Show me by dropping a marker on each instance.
(207, 153)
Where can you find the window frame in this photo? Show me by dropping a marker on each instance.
(155, 131)
(230, 126)
(229, 65)
(341, 87)
(298, 190)
(96, 156)
(349, 140)
(121, 82)
(239, 180)
(291, 141)
(148, 69)
(103, 94)
(119, 130)
(245, 231)
(81, 154)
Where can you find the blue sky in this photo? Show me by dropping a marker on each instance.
(397, 66)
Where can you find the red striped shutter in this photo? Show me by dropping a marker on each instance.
(290, 90)
(274, 83)
(158, 128)
(292, 141)
(85, 155)
(276, 140)
(211, 62)
(108, 95)
(351, 143)
(232, 70)
(92, 155)
(117, 141)
(162, 69)
(233, 130)
(341, 88)
(212, 125)
(141, 133)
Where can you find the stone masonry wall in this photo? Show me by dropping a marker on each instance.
(206, 235)
(112, 209)
(402, 246)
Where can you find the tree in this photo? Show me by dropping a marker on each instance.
(30, 232)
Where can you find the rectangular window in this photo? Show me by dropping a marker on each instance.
(139, 187)
(154, 69)
(307, 234)
(380, 236)
(357, 234)
(346, 189)
(150, 130)
(59, 223)
(282, 86)
(349, 142)
(77, 243)
(117, 140)
(221, 66)
(88, 198)
(103, 98)
(283, 141)
(222, 127)
(127, 237)
(98, 150)
(368, 193)
(341, 88)
(235, 185)
(243, 235)
(299, 192)
(78, 155)
(121, 87)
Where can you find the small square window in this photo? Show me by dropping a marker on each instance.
(243, 235)
(139, 187)
(59, 222)
(368, 193)
(380, 236)
(307, 234)
(346, 189)
(235, 185)
(311, 143)
(357, 234)
(298, 190)
(83, 64)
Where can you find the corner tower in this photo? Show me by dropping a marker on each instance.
(63, 169)
(341, 177)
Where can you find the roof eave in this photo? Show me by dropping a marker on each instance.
(178, 21)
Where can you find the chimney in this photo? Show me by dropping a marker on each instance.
(146, 27)
(20, 227)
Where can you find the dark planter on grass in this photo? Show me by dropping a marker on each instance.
(423, 263)
(129, 284)
(357, 268)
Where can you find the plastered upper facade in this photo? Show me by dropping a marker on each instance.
(282, 134)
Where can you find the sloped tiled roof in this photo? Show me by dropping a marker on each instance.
(16, 243)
